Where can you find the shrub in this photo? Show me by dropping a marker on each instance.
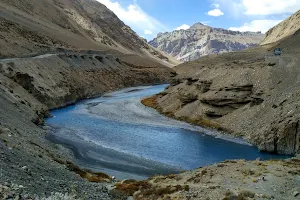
(245, 193)
(130, 188)
(150, 102)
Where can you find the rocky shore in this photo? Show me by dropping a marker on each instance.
(29, 87)
(231, 179)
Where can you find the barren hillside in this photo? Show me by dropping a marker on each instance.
(33, 27)
(286, 28)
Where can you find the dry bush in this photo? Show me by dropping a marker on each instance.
(130, 188)
(150, 102)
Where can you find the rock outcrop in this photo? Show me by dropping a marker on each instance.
(200, 40)
(251, 94)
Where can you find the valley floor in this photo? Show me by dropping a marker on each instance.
(33, 167)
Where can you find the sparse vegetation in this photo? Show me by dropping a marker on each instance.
(229, 195)
(88, 174)
(245, 193)
(150, 101)
(130, 188)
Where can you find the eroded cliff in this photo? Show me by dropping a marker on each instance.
(251, 94)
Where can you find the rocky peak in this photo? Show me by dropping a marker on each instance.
(200, 40)
(199, 25)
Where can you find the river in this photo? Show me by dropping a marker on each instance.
(117, 135)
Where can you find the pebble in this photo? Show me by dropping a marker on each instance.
(296, 193)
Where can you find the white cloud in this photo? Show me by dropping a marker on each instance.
(148, 32)
(215, 12)
(270, 7)
(183, 27)
(257, 25)
(238, 8)
(135, 17)
(216, 5)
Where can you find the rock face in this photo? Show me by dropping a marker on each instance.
(250, 94)
(34, 27)
(200, 40)
(286, 28)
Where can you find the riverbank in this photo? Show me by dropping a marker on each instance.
(34, 160)
(29, 87)
(117, 135)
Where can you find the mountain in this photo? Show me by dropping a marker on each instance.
(250, 94)
(284, 29)
(200, 40)
(36, 26)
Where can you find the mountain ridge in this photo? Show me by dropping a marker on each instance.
(200, 40)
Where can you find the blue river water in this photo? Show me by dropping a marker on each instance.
(117, 135)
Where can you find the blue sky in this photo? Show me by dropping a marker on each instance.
(149, 17)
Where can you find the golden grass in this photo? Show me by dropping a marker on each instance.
(150, 102)
(130, 188)
(147, 190)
